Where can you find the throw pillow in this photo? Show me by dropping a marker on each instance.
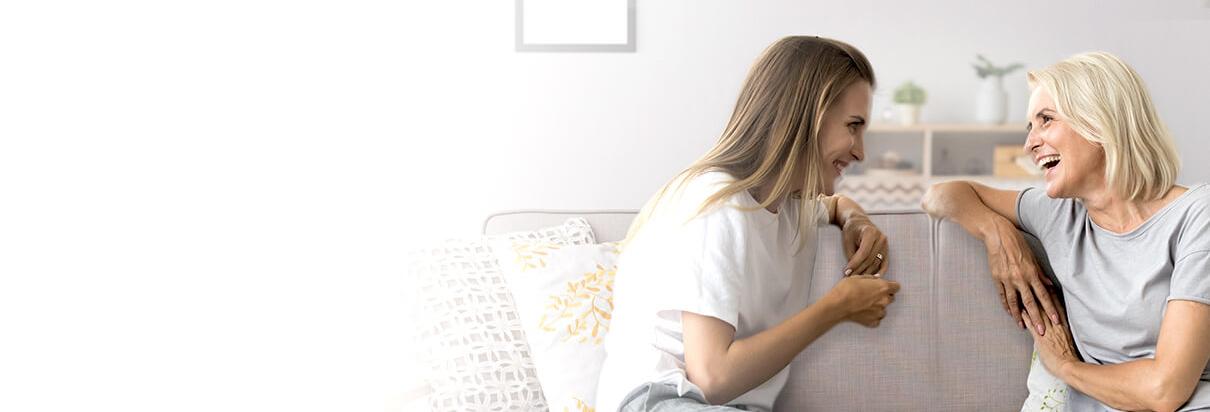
(1046, 392)
(470, 336)
(564, 295)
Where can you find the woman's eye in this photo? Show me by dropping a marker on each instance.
(1046, 119)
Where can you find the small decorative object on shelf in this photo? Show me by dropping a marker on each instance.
(991, 104)
(891, 164)
(908, 98)
(889, 160)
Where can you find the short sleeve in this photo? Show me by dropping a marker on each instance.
(1039, 215)
(704, 272)
(1191, 278)
(1191, 264)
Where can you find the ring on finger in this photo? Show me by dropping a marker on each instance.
(878, 256)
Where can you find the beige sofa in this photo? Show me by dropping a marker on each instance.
(945, 345)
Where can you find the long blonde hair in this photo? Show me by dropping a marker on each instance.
(775, 126)
(1106, 103)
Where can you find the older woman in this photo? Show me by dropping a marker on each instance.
(1130, 248)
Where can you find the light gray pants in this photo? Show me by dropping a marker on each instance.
(662, 397)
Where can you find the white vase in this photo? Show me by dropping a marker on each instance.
(909, 114)
(991, 104)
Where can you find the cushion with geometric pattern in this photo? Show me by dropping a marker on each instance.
(474, 352)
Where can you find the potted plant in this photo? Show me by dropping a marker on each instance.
(908, 99)
(991, 104)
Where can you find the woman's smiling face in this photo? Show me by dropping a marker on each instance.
(1074, 166)
(841, 132)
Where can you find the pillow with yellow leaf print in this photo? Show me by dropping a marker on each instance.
(1046, 392)
(564, 296)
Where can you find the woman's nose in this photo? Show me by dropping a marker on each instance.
(859, 149)
(1032, 142)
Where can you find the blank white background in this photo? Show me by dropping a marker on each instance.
(205, 206)
(575, 22)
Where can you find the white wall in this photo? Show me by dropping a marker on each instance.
(604, 130)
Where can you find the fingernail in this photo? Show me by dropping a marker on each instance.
(1040, 330)
(1022, 323)
(848, 271)
(1054, 319)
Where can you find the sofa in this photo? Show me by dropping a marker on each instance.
(946, 343)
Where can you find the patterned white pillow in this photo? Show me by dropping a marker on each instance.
(1046, 392)
(564, 295)
(474, 351)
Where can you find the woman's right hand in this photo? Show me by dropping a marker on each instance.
(1019, 280)
(863, 298)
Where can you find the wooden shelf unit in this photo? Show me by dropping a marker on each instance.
(966, 147)
(929, 133)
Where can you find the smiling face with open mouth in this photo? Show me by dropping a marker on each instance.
(840, 135)
(1074, 166)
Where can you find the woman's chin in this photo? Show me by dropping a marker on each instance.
(1054, 186)
(1053, 190)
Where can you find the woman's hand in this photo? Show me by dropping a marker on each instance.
(865, 246)
(863, 298)
(1056, 348)
(1017, 276)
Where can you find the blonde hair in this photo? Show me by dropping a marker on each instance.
(1106, 103)
(775, 125)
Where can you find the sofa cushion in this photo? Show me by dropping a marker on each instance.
(564, 295)
(891, 367)
(475, 350)
(984, 356)
(1046, 392)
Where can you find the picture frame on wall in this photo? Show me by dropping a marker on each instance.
(575, 25)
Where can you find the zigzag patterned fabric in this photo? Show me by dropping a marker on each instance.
(905, 194)
(899, 194)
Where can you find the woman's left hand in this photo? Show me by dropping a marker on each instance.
(1056, 348)
(865, 246)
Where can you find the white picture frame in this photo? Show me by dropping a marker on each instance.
(575, 25)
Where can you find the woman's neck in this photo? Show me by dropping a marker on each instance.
(1109, 211)
(759, 194)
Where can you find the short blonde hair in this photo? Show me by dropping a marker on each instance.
(1106, 102)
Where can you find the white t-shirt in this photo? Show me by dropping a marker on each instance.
(743, 267)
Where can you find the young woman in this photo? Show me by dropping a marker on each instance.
(712, 286)
(1129, 247)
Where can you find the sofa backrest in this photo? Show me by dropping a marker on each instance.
(609, 225)
(945, 344)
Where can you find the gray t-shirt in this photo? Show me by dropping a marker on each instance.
(1116, 286)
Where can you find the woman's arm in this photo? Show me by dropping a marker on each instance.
(841, 209)
(864, 245)
(971, 205)
(991, 216)
(725, 368)
(1161, 384)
